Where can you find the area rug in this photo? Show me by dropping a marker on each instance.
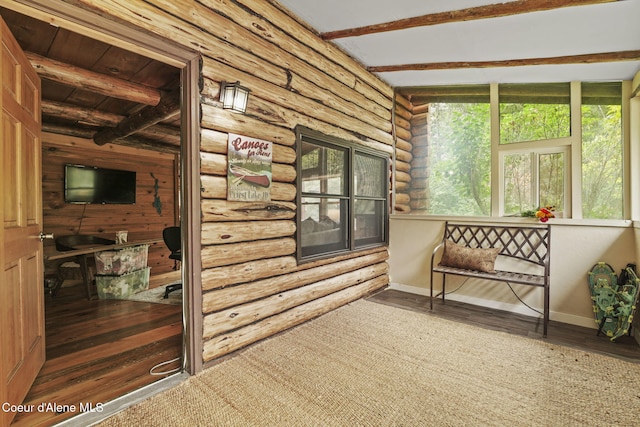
(368, 364)
(156, 295)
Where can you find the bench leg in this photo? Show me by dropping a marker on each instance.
(444, 286)
(546, 311)
(431, 290)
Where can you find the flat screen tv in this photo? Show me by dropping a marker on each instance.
(88, 185)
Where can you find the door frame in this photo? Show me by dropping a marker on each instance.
(89, 24)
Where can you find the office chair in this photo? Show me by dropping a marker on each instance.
(173, 239)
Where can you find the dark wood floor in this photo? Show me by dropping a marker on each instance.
(558, 333)
(99, 350)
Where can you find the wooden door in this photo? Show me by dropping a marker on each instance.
(21, 286)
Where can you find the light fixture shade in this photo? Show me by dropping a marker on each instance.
(234, 97)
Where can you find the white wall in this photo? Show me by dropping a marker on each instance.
(575, 247)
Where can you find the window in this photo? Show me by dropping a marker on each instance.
(459, 158)
(602, 150)
(534, 174)
(342, 198)
(534, 112)
(527, 154)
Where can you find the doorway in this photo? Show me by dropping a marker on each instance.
(76, 307)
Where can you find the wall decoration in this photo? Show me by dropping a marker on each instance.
(249, 171)
(157, 203)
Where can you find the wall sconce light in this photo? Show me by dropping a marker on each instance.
(234, 97)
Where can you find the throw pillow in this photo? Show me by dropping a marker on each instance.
(478, 259)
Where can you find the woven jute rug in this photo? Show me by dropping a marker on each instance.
(368, 364)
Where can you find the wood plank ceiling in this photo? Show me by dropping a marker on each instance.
(93, 90)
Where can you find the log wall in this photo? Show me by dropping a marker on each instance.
(142, 220)
(412, 152)
(252, 285)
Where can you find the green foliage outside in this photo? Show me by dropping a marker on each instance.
(602, 161)
(460, 153)
(460, 159)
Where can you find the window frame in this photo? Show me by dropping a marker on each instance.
(570, 146)
(306, 135)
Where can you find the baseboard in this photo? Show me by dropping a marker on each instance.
(570, 319)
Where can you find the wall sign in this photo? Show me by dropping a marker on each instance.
(249, 171)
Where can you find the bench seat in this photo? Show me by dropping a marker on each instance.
(500, 275)
(528, 243)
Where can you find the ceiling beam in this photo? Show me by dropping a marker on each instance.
(103, 84)
(628, 55)
(469, 14)
(168, 108)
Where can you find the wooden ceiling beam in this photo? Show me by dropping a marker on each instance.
(469, 14)
(91, 117)
(628, 55)
(94, 82)
(168, 107)
(88, 116)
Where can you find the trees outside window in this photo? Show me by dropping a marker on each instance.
(533, 147)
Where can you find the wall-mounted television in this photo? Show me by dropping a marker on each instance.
(88, 184)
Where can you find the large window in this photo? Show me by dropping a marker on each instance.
(527, 155)
(342, 198)
(534, 118)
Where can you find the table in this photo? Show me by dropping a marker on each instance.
(81, 252)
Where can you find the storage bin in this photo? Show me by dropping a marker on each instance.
(122, 261)
(122, 286)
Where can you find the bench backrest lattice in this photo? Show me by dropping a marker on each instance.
(530, 243)
(527, 243)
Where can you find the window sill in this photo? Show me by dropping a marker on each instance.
(620, 223)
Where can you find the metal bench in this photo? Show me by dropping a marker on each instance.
(529, 243)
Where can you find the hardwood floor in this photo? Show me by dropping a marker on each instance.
(559, 333)
(99, 350)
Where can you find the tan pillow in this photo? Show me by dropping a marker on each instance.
(470, 258)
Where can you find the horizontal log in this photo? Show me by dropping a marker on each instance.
(168, 107)
(420, 109)
(212, 141)
(236, 253)
(402, 208)
(220, 277)
(404, 145)
(403, 156)
(90, 116)
(402, 177)
(213, 163)
(239, 316)
(91, 81)
(226, 121)
(223, 210)
(227, 343)
(214, 233)
(403, 133)
(401, 186)
(224, 296)
(402, 199)
(403, 105)
(403, 123)
(419, 119)
(215, 187)
(402, 166)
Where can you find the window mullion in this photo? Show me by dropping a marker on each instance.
(497, 176)
(574, 203)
